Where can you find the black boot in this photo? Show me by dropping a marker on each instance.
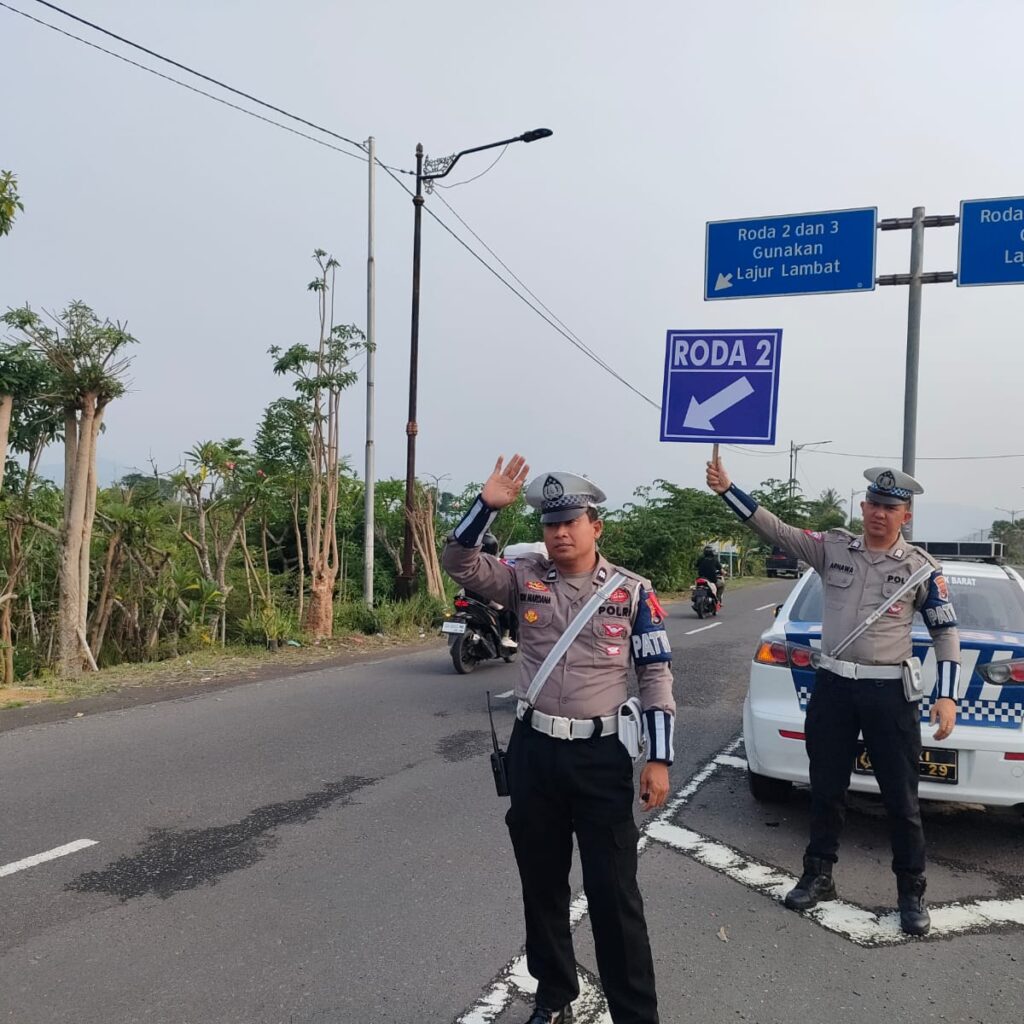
(543, 1016)
(814, 886)
(914, 916)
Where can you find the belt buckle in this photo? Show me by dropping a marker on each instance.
(561, 728)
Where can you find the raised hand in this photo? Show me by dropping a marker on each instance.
(504, 484)
(718, 479)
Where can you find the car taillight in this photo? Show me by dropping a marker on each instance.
(1014, 756)
(791, 734)
(461, 602)
(772, 654)
(777, 653)
(1003, 673)
(801, 657)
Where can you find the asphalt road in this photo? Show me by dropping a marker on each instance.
(328, 848)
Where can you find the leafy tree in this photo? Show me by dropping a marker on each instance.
(827, 511)
(87, 360)
(320, 375)
(1012, 535)
(10, 202)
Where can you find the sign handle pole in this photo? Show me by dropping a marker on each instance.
(714, 454)
(913, 349)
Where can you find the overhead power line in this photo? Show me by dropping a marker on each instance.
(198, 74)
(185, 85)
(540, 309)
(920, 458)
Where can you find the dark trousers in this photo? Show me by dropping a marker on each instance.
(838, 710)
(584, 786)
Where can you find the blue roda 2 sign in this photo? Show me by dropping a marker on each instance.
(721, 386)
(796, 254)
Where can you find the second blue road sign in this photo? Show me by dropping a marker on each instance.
(721, 386)
(991, 241)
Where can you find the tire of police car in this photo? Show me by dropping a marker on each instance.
(462, 655)
(768, 791)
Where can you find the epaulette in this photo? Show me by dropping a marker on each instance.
(838, 533)
(927, 556)
(635, 577)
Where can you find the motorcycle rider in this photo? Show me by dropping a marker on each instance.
(710, 568)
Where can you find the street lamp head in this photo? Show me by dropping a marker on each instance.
(537, 133)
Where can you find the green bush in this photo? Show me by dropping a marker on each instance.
(394, 618)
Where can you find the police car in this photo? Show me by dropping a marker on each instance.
(982, 762)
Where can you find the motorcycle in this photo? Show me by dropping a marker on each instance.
(703, 599)
(476, 633)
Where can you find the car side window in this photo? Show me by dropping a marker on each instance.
(808, 605)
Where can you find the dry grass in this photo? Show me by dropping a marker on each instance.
(196, 667)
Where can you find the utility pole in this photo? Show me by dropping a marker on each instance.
(917, 223)
(913, 343)
(1011, 512)
(371, 341)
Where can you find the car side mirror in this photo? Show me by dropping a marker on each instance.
(778, 608)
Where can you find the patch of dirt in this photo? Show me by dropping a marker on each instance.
(15, 695)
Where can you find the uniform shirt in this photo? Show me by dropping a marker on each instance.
(589, 681)
(855, 583)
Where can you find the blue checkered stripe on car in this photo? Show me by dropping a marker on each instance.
(969, 712)
(983, 712)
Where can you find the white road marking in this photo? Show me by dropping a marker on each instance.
(514, 979)
(42, 858)
(701, 629)
(762, 608)
(852, 922)
(507, 693)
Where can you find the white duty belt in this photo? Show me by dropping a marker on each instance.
(854, 670)
(567, 728)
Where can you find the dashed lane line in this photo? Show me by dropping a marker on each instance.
(701, 629)
(42, 858)
(762, 608)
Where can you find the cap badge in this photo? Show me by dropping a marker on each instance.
(886, 481)
(553, 489)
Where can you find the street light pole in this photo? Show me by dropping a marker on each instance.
(794, 451)
(852, 495)
(406, 583)
(1011, 512)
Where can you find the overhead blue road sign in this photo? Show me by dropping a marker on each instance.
(991, 242)
(721, 386)
(799, 254)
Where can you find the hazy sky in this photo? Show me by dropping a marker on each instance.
(195, 223)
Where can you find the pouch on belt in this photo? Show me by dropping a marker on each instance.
(631, 727)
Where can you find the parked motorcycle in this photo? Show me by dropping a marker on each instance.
(476, 633)
(703, 599)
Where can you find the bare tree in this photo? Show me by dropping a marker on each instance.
(320, 375)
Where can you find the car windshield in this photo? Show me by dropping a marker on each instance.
(981, 602)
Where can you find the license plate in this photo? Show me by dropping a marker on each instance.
(453, 627)
(936, 765)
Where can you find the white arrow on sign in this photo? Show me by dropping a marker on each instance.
(724, 281)
(700, 414)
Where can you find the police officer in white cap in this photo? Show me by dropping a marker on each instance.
(568, 771)
(862, 691)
